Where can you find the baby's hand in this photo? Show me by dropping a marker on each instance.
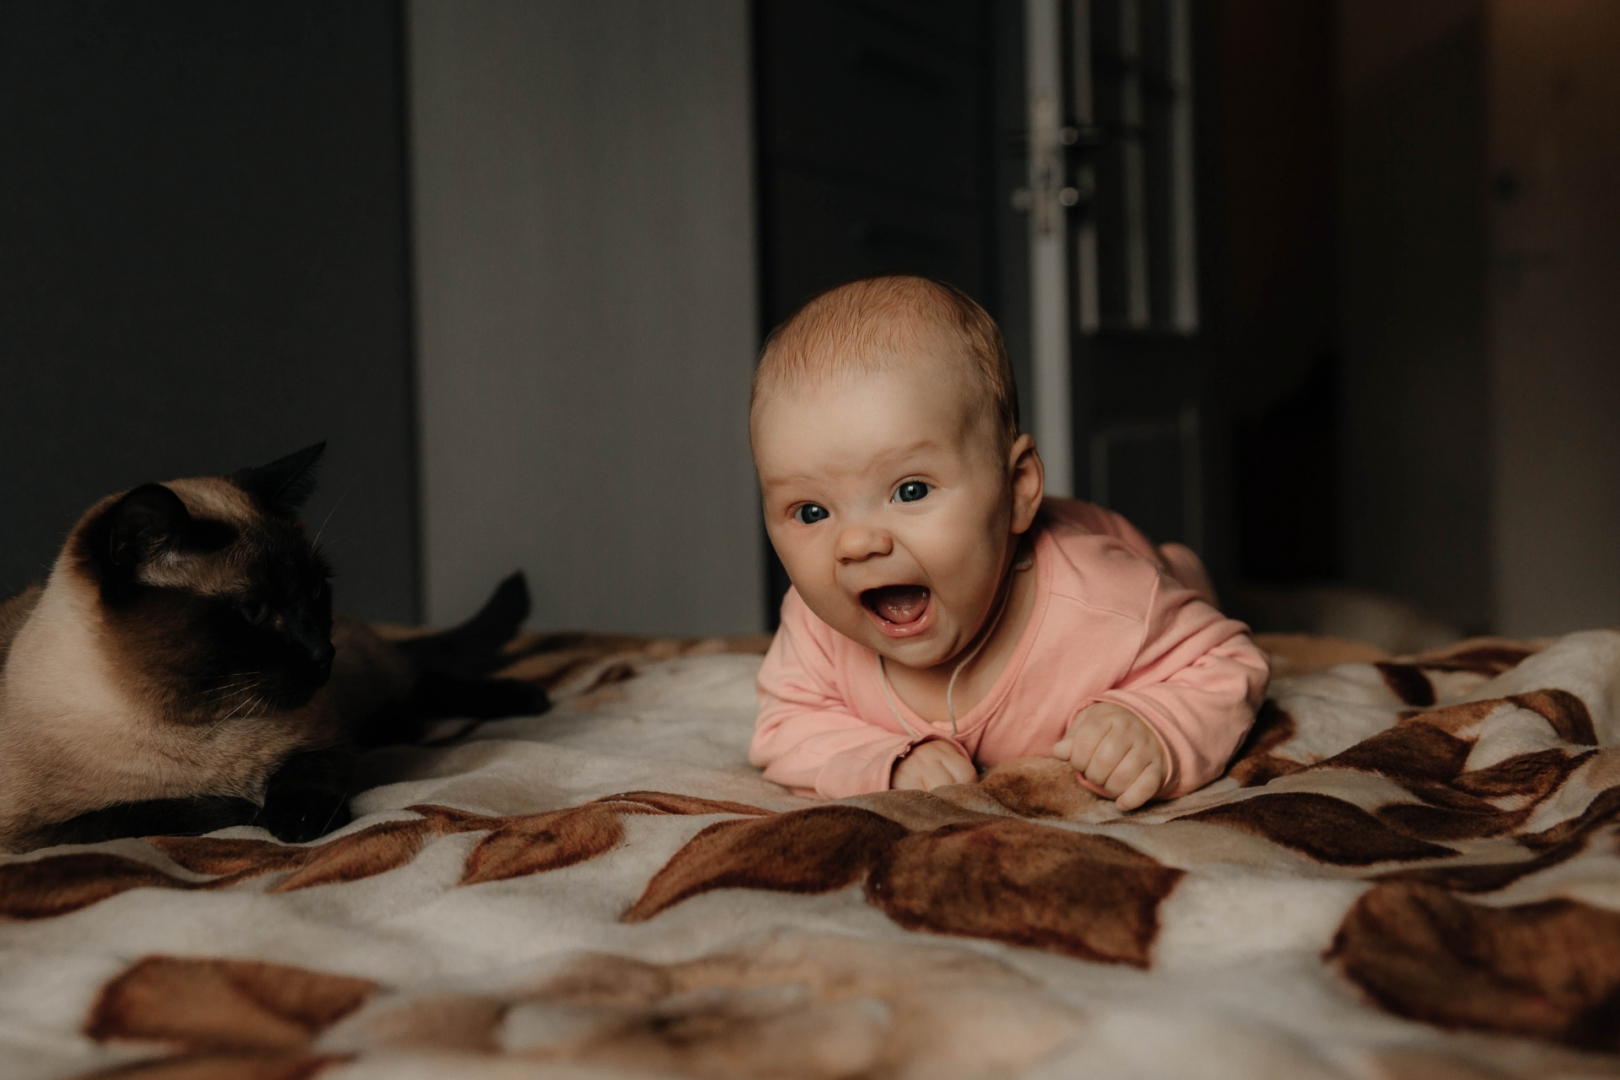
(1114, 749)
(931, 765)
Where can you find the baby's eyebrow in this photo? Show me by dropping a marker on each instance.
(898, 453)
(919, 447)
(786, 481)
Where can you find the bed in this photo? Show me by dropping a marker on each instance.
(1411, 869)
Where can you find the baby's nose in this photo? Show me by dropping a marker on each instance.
(858, 542)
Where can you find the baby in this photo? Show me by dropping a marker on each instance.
(944, 615)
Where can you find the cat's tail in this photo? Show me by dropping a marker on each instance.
(454, 676)
(474, 647)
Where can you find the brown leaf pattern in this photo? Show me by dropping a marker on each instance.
(55, 885)
(1027, 858)
(1092, 897)
(517, 845)
(1255, 763)
(1010, 880)
(1549, 969)
(226, 1066)
(223, 1004)
(1324, 828)
(536, 843)
(804, 851)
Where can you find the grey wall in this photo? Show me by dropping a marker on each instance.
(586, 308)
(1555, 319)
(1412, 305)
(1479, 265)
(203, 266)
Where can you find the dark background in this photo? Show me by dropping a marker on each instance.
(891, 139)
(203, 265)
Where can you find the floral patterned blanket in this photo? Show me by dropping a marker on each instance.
(1412, 869)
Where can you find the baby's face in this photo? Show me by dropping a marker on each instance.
(893, 509)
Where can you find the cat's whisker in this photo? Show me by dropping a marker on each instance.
(232, 688)
(247, 701)
(215, 726)
(236, 703)
(228, 691)
(329, 513)
(241, 708)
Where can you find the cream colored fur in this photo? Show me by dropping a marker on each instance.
(79, 724)
(75, 734)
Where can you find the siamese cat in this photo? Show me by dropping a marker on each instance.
(181, 671)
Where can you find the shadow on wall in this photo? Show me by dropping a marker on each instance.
(1289, 502)
(1397, 626)
(1290, 529)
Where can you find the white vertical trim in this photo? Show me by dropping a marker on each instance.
(1048, 245)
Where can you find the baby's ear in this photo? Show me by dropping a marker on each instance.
(1027, 475)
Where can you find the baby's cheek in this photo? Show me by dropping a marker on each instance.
(968, 588)
(826, 601)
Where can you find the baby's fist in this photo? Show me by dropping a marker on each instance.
(931, 765)
(1111, 747)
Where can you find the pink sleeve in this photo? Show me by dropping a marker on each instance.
(807, 737)
(1196, 681)
(1117, 525)
(1181, 561)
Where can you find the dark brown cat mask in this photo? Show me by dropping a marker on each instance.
(213, 596)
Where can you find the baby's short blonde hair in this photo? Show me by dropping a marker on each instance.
(861, 326)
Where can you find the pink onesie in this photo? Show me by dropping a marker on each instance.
(1110, 623)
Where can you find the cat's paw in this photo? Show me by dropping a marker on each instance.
(457, 696)
(514, 697)
(155, 817)
(300, 816)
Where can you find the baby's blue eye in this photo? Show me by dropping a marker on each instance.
(809, 514)
(911, 491)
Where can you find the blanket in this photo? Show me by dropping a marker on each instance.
(1411, 869)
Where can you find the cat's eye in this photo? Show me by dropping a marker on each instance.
(810, 513)
(911, 491)
(253, 612)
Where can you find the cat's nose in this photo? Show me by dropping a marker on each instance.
(320, 655)
(315, 645)
(321, 663)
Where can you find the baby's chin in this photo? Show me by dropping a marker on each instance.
(925, 647)
(919, 655)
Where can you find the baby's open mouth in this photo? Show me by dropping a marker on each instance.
(898, 604)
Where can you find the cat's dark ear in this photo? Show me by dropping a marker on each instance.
(285, 484)
(145, 523)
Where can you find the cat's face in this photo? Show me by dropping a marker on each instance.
(212, 595)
